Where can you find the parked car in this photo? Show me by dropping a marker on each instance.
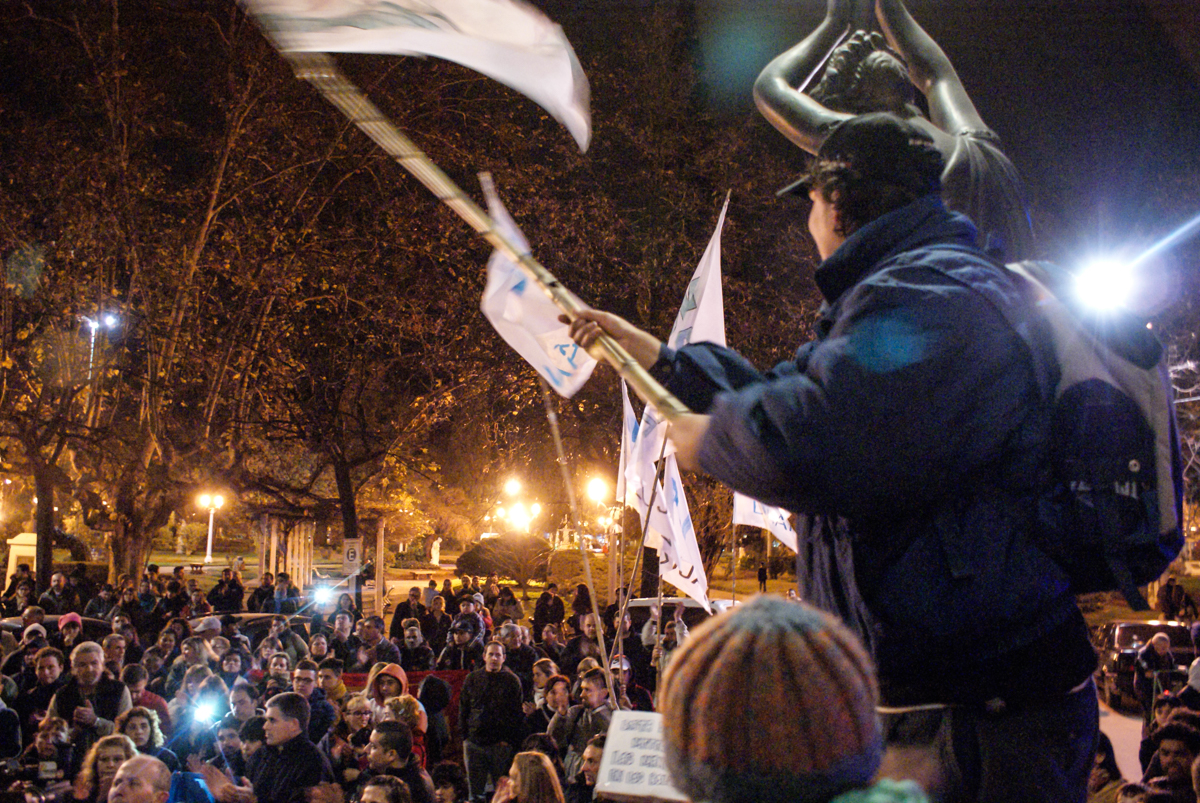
(255, 626)
(693, 613)
(1117, 645)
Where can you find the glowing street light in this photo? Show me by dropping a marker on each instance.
(512, 487)
(108, 322)
(1105, 284)
(212, 502)
(597, 490)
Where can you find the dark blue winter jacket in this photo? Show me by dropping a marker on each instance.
(907, 436)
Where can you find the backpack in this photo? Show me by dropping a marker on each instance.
(1112, 517)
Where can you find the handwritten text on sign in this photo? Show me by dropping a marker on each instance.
(633, 764)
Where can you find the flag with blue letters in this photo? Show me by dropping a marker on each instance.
(754, 513)
(524, 316)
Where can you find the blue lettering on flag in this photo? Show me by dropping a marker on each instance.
(573, 347)
(519, 287)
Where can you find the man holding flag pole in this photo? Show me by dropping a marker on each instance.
(910, 436)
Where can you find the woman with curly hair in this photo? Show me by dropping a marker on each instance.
(100, 767)
(142, 727)
(861, 75)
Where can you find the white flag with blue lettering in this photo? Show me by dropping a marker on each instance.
(754, 513)
(524, 316)
(629, 433)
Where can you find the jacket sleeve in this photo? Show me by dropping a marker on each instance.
(919, 383)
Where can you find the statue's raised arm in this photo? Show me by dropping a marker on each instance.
(779, 91)
(950, 108)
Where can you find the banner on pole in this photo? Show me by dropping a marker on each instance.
(507, 40)
(754, 513)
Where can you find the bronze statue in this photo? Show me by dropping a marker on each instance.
(862, 76)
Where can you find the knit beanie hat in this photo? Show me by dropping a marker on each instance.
(770, 702)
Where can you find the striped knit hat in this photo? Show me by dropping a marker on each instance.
(770, 702)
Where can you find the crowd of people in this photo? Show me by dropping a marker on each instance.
(176, 683)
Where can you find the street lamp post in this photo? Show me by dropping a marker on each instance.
(108, 322)
(212, 502)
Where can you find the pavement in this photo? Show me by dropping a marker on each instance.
(1125, 731)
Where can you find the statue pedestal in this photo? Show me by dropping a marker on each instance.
(21, 549)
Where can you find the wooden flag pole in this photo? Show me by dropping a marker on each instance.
(322, 72)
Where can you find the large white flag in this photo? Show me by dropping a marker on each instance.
(754, 513)
(701, 318)
(679, 561)
(524, 316)
(507, 40)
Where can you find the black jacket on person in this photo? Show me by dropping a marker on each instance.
(420, 785)
(489, 708)
(466, 657)
(284, 774)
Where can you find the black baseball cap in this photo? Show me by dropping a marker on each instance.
(878, 147)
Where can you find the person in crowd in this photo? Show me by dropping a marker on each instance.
(343, 644)
(582, 788)
(322, 714)
(449, 782)
(374, 647)
(70, 632)
(22, 576)
(544, 744)
(318, 647)
(632, 697)
(543, 670)
(507, 607)
(292, 643)
(490, 720)
(470, 607)
(531, 779)
(286, 768)
(729, 750)
(435, 694)
(188, 693)
(383, 682)
(231, 630)
(518, 656)
(154, 660)
(436, 624)
(31, 705)
(194, 733)
(141, 779)
(329, 678)
(278, 677)
(1178, 746)
(389, 752)
(58, 599)
(114, 646)
(102, 604)
(556, 699)
(172, 603)
(168, 644)
(243, 702)
(346, 743)
(571, 731)
(407, 709)
(628, 642)
(410, 608)
(235, 665)
(550, 645)
(50, 745)
(99, 767)
(429, 593)
(21, 599)
(415, 654)
(675, 632)
(21, 664)
(89, 701)
(135, 678)
(133, 644)
(227, 595)
(584, 645)
(197, 605)
(451, 598)
(229, 746)
(263, 595)
(286, 599)
(266, 649)
(1105, 781)
(1153, 658)
(194, 652)
(581, 605)
(463, 652)
(142, 727)
(253, 737)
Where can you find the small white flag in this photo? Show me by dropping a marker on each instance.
(754, 513)
(679, 561)
(524, 316)
(629, 433)
(507, 40)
